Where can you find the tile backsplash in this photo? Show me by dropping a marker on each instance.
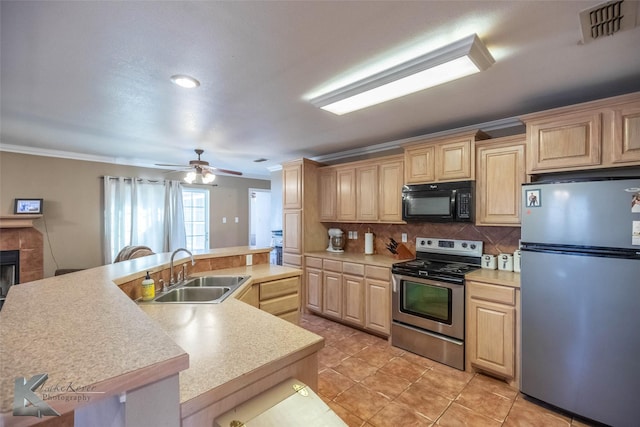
(495, 239)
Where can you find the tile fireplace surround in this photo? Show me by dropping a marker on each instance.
(29, 242)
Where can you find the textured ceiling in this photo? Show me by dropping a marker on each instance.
(91, 79)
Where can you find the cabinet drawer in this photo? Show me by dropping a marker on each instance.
(487, 292)
(314, 262)
(373, 272)
(292, 259)
(278, 288)
(354, 269)
(281, 304)
(331, 265)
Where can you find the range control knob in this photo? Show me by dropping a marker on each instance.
(422, 243)
(464, 245)
(429, 242)
(473, 246)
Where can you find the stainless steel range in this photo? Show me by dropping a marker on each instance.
(428, 298)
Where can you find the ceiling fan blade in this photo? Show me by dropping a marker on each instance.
(230, 172)
(173, 166)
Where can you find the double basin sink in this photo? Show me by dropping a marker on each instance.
(207, 289)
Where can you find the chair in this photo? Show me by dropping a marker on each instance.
(131, 252)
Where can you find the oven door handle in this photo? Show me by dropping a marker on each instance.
(394, 283)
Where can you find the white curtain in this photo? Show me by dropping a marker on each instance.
(142, 212)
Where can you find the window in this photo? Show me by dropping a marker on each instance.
(196, 217)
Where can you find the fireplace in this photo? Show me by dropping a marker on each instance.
(9, 272)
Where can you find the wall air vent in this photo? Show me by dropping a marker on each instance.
(608, 18)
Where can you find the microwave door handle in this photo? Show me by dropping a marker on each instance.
(452, 203)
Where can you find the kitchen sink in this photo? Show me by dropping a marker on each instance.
(208, 281)
(206, 289)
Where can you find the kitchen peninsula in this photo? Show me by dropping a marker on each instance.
(81, 329)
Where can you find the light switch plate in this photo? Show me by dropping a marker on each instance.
(404, 237)
(249, 259)
(224, 219)
(237, 220)
(355, 234)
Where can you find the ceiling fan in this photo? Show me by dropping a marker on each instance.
(200, 168)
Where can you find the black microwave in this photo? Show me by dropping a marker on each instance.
(439, 202)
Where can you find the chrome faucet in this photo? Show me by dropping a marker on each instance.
(193, 262)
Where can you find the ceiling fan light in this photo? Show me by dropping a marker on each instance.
(190, 177)
(185, 81)
(208, 177)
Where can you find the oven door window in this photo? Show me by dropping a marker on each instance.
(428, 301)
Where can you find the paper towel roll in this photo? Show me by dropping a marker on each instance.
(368, 243)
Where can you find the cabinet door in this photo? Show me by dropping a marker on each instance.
(454, 161)
(292, 186)
(626, 135)
(346, 205)
(391, 175)
(353, 288)
(367, 193)
(564, 142)
(332, 294)
(378, 305)
(500, 174)
(328, 194)
(251, 296)
(419, 163)
(313, 282)
(491, 337)
(292, 231)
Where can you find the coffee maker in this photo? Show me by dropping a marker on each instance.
(336, 240)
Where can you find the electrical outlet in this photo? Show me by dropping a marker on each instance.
(249, 259)
(404, 237)
(350, 235)
(355, 234)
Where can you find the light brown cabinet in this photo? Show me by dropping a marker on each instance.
(592, 135)
(450, 158)
(301, 227)
(367, 191)
(346, 194)
(353, 293)
(492, 325)
(500, 173)
(328, 193)
(332, 288)
(279, 297)
(313, 281)
(391, 174)
(378, 299)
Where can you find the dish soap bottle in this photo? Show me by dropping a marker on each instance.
(148, 288)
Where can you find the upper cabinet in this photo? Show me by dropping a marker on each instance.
(500, 173)
(444, 159)
(292, 185)
(363, 191)
(593, 135)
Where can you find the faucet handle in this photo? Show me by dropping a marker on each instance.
(179, 276)
(165, 288)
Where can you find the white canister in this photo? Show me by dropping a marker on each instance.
(489, 262)
(516, 261)
(505, 262)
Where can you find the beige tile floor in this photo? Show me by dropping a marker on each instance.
(367, 382)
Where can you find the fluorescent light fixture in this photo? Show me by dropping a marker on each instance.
(461, 58)
(185, 81)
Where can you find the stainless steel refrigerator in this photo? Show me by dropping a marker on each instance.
(580, 290)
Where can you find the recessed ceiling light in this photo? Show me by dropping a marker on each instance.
(185, 81)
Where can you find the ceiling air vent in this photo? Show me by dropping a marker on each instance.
(608, 18)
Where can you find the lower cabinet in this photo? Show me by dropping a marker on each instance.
(492, 325)
(352, 293)
(278, 297)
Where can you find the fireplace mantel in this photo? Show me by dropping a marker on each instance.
(17, 221)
